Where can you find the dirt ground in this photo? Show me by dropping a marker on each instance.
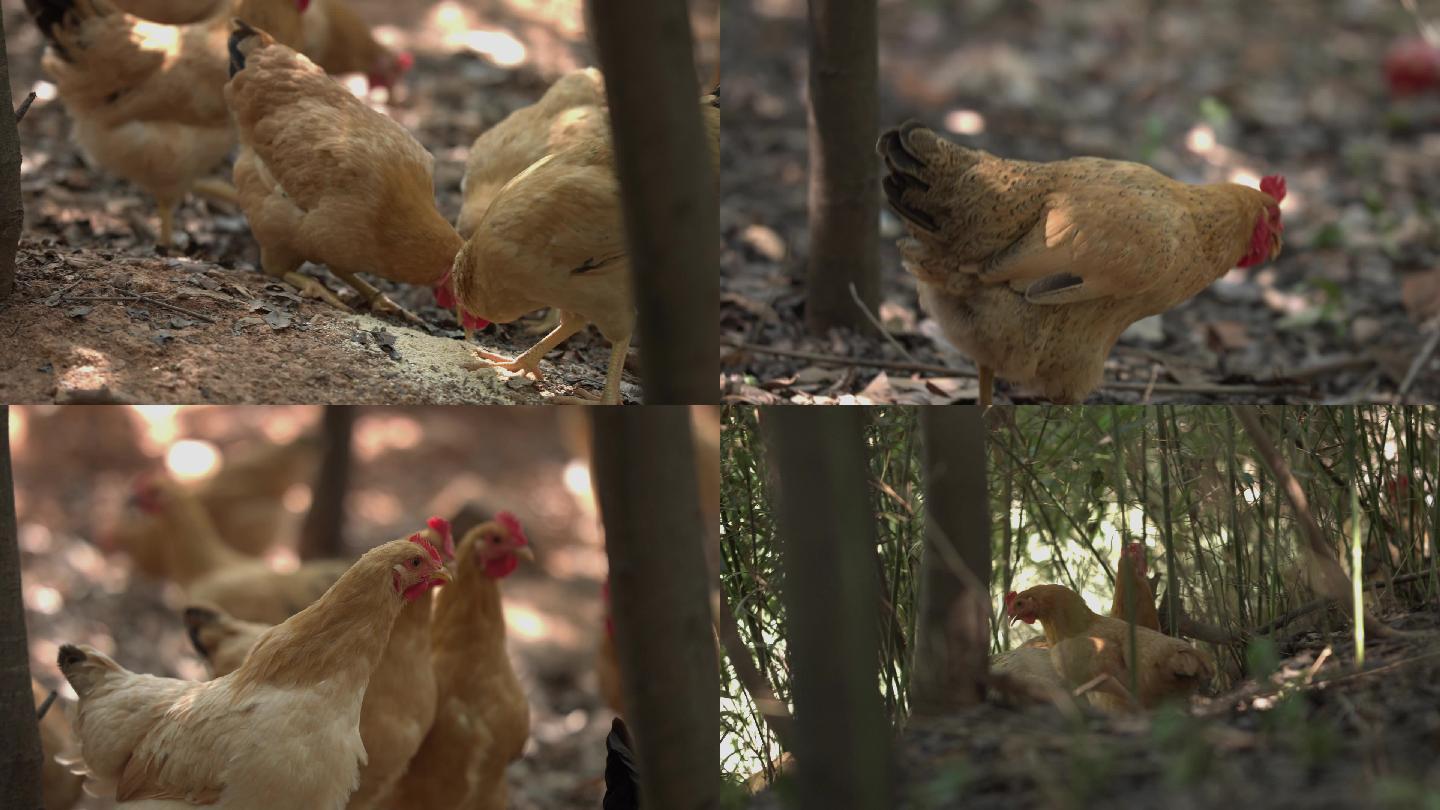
(1316, 735)
(98, 316)
(1204, 92)
(73, 471)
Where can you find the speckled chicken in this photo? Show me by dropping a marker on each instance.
(554, 237)
(324, 178)
(1034, 269)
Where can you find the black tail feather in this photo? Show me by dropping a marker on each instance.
(69, 656)
(195, 619)
(242, 32)
(48, 15)
(622, 779)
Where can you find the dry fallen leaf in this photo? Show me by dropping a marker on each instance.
(1421, 294)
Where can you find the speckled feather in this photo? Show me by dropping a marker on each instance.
(1034, 269)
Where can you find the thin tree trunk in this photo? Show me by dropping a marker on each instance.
(952, 622)
(660, 598)
(20, 756)
(12, 211)
(844, 202)
(831, 593)
(667, 170)
(323, 533)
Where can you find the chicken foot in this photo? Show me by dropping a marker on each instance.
(377, 300)
(529, 362)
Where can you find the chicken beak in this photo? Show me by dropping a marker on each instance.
(442, 576)
(526, 552)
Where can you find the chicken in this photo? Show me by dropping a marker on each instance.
(607, 664)
(553, 237)
(399, 705)
(483, 718)
(339, 41)
(145, 98)
(1028, 670)
(244, 501)
(1412, 66)
(1088, 649)
(1130, 581)
(173, 12)
(213, 573)
(572, 110)
(221, 639)
(622, 778)
(322, 177)
(59, 788)
(1034, 269)
(281, 731)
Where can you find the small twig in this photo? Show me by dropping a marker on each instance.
(928, 368)
(1150, 386)
(1423, 357)
(145, 299)
(50, 699)
(879, 327)
(24, 107)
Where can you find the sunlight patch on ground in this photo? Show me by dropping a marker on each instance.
(159, 426)
(965, 122)
(375, 506)
(189, 459)
(377, 435)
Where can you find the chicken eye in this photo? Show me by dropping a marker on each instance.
(414, 562)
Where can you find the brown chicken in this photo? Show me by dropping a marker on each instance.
(1034, 269)
(572, 110)
(173, 12)
(399, 705)
(213, 573)
(483, 717)
(145, 97)
(1090, 650)
(554, 237)
(1130, 582)
(322, 177)
(243, 501)
(59, 788)
(339, 41)
(281, 731)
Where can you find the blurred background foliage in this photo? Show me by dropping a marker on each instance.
(1069, 487)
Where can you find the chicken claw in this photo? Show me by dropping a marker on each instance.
(312, 288)
(524, 364)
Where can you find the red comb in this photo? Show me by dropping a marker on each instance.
(303, 5)
(512, 525)
(1010, 597)
(404, 61)
(418, 539)
(441, 527)
(1274, 185)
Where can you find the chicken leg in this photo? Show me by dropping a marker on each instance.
(616, 367)
(216, 189)
(377, 300)
(165, 238)
(987, 386)
(285, 267)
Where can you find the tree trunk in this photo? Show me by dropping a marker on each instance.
(844, 177)
(660, 598)
(832, 598)
(12, 211)
(20, 756)
(953, 620)
(671, 194)
(323, 534)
